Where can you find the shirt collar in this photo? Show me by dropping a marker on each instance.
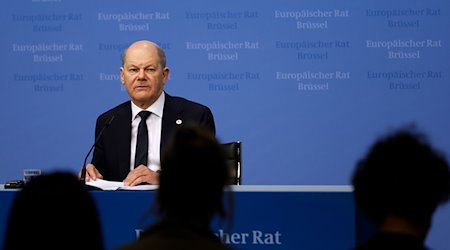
(156, 108)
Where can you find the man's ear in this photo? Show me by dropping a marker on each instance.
(122, 78)
(165, 73)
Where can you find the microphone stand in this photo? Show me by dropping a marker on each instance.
(83, 169)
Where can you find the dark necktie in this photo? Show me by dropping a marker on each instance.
(142, 140)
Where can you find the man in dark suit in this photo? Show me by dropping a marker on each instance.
(143, 74)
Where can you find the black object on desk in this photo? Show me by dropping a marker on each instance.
(14, 184)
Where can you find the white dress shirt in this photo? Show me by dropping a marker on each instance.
(154, 124)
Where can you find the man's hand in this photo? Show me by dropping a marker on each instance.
(141, 174)
(91, 173)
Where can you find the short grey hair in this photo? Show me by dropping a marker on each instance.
(161, 54)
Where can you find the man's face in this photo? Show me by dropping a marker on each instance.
(142, 74)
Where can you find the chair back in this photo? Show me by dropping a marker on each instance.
(232, 152)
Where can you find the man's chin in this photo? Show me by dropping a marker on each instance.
(143, 100)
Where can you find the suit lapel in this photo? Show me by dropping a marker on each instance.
(124, 139)
(171, 114)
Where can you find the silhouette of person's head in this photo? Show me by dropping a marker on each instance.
(193, 177)
(402, 177)
(53, 211)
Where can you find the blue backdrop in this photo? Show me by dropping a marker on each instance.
(305, 85)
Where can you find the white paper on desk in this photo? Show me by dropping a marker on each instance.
(118, 185)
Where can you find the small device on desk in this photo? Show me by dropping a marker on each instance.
(14, 184)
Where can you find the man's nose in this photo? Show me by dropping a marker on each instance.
(141, 74)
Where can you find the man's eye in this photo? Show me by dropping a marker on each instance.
(133, 70)
(150, 69)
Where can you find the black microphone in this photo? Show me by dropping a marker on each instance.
(83, 169)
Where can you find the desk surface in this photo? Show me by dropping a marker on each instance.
(272, 188)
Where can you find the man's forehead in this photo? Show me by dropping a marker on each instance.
(138, 57)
